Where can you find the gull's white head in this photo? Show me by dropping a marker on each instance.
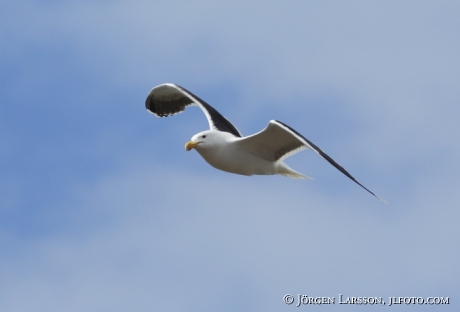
(199, 140)
(206, 139)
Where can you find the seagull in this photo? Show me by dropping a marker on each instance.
(223, 146)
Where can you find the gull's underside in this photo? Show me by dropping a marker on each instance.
(225, 148)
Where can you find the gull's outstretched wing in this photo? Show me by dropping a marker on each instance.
(278, 141)
(169, 99)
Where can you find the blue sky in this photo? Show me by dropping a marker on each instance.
(101, 208)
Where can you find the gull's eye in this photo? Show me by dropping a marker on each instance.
(203, 136)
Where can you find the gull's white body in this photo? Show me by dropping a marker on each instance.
(224, 151)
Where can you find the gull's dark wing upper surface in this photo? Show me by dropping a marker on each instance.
(169, 99)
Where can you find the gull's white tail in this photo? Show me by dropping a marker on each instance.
(284, 170)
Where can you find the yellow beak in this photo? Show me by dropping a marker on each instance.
(190, 145)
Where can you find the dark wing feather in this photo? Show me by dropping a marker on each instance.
(169, 99)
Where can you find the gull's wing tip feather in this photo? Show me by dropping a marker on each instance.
(381, 199)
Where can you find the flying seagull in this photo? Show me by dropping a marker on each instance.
(223, 146)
